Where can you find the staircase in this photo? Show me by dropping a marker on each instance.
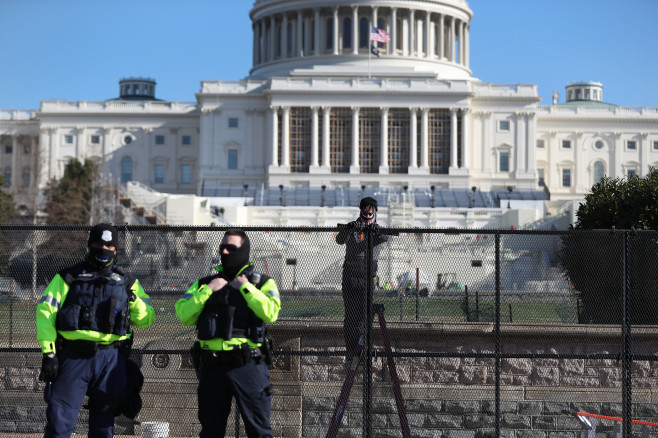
(142, 205)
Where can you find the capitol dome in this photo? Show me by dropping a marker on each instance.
(428, 38)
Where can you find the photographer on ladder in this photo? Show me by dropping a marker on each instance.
(355, 270)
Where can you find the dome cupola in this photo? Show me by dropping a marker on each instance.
(356, 37)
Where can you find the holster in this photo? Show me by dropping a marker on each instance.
(195, 352)
(126, 346)
(266, 347)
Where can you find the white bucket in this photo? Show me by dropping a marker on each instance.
(155, 429)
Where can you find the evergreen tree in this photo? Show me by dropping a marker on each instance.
(69, 199)
(7, 206)
(7, 213)
(594, 262)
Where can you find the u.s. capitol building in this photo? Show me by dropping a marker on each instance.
(320, 120)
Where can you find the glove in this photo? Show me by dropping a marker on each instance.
(355, 224)
(375, 228)
(49, 367)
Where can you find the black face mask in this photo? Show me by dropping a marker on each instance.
(236, 260)
(101, 257)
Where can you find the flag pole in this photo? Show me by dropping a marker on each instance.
(369, 55)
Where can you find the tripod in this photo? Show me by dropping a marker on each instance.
(351, 375)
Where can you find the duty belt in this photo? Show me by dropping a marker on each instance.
(88, 348)
(238, 356)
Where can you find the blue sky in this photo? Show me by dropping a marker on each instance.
(79, 49)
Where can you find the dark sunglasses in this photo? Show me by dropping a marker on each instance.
(229, 248)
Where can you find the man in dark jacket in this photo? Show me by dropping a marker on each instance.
(83, 326)
(355, 275)
(230, 310)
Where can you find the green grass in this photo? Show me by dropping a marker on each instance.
(20, 324)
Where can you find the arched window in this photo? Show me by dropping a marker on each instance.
(364, 33)
(289, 40)
(599, 171)
(347, 33)
(126, 169)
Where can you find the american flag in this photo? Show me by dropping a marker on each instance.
(379, 35)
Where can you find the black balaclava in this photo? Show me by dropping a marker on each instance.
(236, 260)
(99, 257)
(364, 217)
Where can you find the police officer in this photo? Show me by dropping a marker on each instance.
(83, 326)
(230, 310)
(355, 281)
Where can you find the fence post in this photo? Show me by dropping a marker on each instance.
(367, 366)
(626, 343)
(477, 306)
(466, 309)
(11, 313)
(497, 336)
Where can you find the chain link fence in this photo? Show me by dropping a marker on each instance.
(476, 332)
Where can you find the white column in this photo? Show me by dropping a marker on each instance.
(453, 138)
(394, 31)
(335, 39)
(413, 138)
(316, 45)
(644, 146)
(453, 48)
(14, 164)
(285, 137)
(383, 164)
(34, 178)
(486, 141)
(374, 18)
(428, 48)
(274, 146)
(354, 167)
(300, 33)
(618, 170)
(326, 115)
(460, 30)
(467, 47)
(314, 137)
(43, 152)
(412, 33)
(355, 30)
(272, 39)
(106, 144)
(424, 139)
(578, 177)
(466, 138)
(440, 40)
(519, 146)
(531, 165)
(404, 35)
(81, 144)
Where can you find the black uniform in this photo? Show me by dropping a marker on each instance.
(355, 281)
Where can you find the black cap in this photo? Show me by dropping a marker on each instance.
(104, 233)
(368, 201)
